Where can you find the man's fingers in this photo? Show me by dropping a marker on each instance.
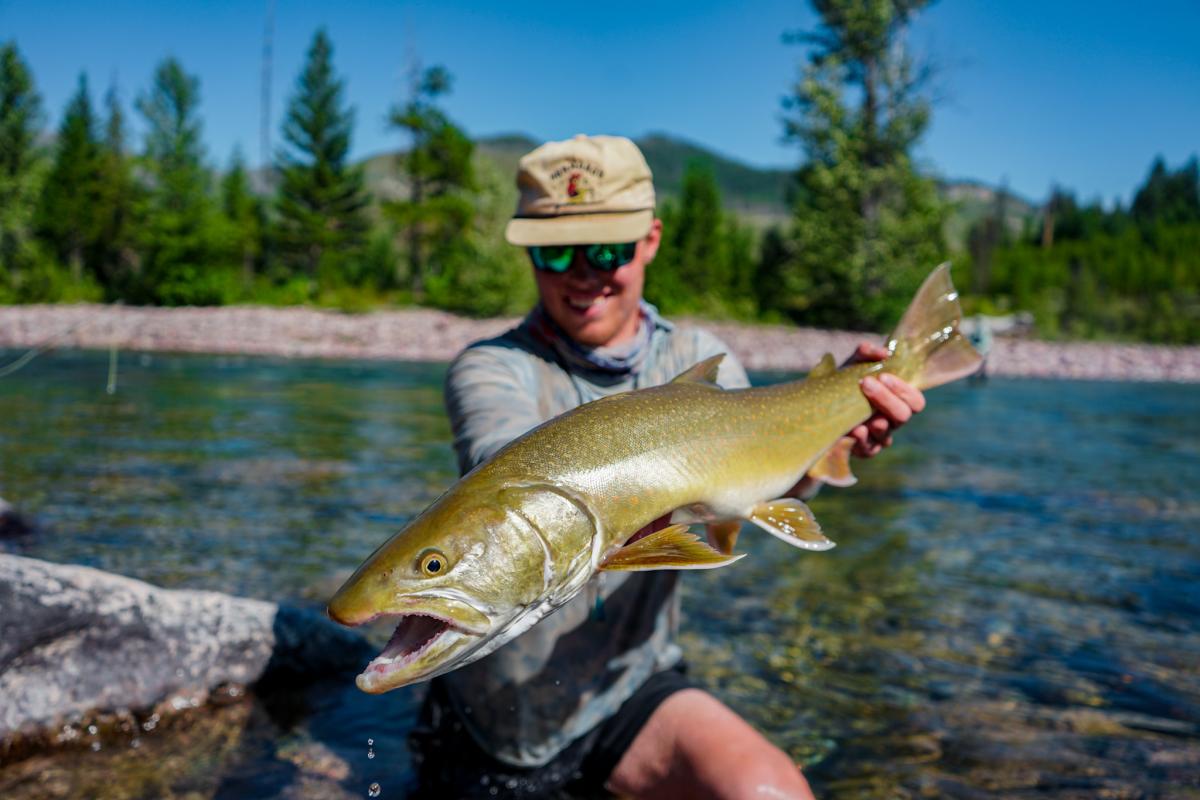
(879, 428)
(910, 394)
(886, 402)
(894, 402)
(862, 440)
(867, 351)
(864, 445)
(869, 450)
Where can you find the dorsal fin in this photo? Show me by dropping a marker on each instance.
(703, 372)
(824, 368)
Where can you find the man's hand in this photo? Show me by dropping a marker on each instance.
(894, 402)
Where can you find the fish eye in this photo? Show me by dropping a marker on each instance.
(432, 563)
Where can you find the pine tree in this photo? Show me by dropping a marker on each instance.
(698, 234)
(772, 293)
(176, 228)
(116, 257)
(478, 272)
(244, 215)
(664, 284)
(988, 233)
(67, 213)
(867, 225)
(20, 161)
(440, 176)
(322, 200)
(705, 262)
(1169, 198)
(738, 252)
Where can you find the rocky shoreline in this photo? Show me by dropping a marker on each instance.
(428, 335)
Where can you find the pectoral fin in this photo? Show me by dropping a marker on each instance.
(674, 547)
(791, 521)
(834, 466)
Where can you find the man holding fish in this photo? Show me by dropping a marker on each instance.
(596, 693)
(592, 435)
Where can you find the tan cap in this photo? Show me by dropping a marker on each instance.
(586, 190)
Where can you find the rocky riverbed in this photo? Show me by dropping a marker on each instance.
(427, 335)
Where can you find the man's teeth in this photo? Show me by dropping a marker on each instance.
(575, 302)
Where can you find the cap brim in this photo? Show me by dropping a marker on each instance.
(607, 228)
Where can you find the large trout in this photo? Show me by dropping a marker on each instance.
(522, 533)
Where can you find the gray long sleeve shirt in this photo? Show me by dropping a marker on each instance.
(531, 698)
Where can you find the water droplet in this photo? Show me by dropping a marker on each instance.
(95, 747)
(370, 754)
(92, 729)
(374, 790)
(135, 743)
(511, 783)
(494, 791)
(370, 742)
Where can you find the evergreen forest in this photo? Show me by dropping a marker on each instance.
(89, 214)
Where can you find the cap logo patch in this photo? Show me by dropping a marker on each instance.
(574, 179)
(576, 193)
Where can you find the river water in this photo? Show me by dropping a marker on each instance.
(1013, 609)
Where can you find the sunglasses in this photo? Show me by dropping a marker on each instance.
(603, 257)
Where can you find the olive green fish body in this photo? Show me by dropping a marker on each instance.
(521, 534)
(632, 458)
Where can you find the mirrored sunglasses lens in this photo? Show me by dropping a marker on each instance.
(556, 258)
(611, 256)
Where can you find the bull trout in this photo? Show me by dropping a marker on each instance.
(522, 533)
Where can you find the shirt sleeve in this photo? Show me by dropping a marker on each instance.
(489, 402)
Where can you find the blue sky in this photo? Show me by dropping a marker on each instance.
(1079, 94)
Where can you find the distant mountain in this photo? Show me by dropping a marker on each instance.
(759, 195)
(744, 188)
(750, 191)
(973, 200)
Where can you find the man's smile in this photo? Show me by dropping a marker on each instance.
(587, 303)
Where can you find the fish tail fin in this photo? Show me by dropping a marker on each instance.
(927, 347)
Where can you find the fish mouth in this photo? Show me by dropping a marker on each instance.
(422, 646)
(434, 632)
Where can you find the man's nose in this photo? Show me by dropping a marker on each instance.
(580, 269)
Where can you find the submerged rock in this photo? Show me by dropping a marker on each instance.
(12, 522)
(76, 640)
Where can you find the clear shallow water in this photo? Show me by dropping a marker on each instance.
(1013, 609)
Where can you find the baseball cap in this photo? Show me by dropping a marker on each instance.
(585, 190)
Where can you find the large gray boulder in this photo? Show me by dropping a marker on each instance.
(74, 640)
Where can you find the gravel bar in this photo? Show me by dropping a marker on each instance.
(428, 335)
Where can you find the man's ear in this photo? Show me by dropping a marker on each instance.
(651, 240)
